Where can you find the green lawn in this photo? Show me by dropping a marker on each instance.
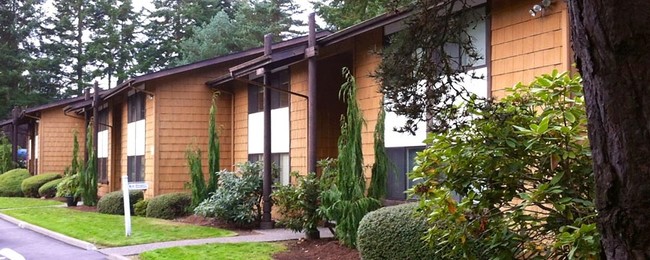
(236, 251)
(9, 203)
(108, 230)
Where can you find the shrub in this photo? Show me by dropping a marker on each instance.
(113, 203)
(237, 198)
(11, 181)
(140, 208)
(169, 206)
(31, 185)
(298, 205)
(48, 190)
(393, 233)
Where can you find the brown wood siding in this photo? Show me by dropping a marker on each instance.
(184, 105)
(55, 140)
(524, 46)
(241, 122)
(298, 119)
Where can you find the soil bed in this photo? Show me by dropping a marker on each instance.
(321, 249)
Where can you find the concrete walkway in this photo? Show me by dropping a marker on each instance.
(270, 235)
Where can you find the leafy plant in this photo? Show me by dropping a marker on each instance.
(523, 170)
(140, 207)
(345, 201)
(379, 176)
(298, 205)
(197, 181)
(69, 186)
(169, 206)
(238, 196)
(88, 177)
(48, 190)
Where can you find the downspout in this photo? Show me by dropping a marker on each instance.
(311, 79)
(232, 126)
(266, 222)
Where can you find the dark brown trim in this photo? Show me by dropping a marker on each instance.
(488, 50)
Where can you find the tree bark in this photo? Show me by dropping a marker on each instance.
(611, 40)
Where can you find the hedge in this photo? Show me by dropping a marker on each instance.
(169, 206)
(48, 190)
(113, 202)
(140, 208)
(31, 185)
(393, 233)
(10, 182)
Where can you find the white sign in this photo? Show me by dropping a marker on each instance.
(138, 186)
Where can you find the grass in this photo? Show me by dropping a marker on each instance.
(9, 203)
(108, 230)
(248, 251)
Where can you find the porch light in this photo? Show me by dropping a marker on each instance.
(539, 7)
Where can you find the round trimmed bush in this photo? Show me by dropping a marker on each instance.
(393, 233)
(113, 202)
(48, 190)
(10, 182)
(140, 208)
(31, 185)
(169, 206)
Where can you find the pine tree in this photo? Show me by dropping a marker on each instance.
(340, 14)
(246, 28)
(170, 22)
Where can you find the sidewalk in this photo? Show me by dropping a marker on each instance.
(269, 235)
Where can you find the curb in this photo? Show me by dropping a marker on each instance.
(63, 238)
(117, 257)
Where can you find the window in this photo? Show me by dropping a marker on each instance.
(102, 146)
(402, 158)
(279, 99)
(281, 161)
(136, 137)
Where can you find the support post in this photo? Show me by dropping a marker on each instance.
(266, 222)
(96, 103)
(15, 114)
(311, 79)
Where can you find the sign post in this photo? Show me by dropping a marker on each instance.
(126, 187)
(127, 203)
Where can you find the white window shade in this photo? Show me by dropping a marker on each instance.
(36, 149)
(136, 138)
(279, 131)
(102, 144)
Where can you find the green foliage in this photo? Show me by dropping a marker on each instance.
(213, 149)
(238, 196)
(340, 14)
(48, 190)
(244, 29)
(113, 202)
(140, 208)
(197, 181)
(393, 233)
(379, 176)
(88, 176)
(6, 157)
(75, 165)
(70, 185)
(169, 206)
(345, 202)
(31, 185)
(11, 181)
(298, 205)
(523, 170)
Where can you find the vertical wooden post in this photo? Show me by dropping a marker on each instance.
(266, 222)
(15, 114)
(86, 121)
(95, 104)
(311, 114)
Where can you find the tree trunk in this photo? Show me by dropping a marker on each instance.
(611, 40)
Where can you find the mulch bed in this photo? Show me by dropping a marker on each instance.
(211, 222)
(320, 249)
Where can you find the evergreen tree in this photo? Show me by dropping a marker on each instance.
(170, 22)
(113, 40)
(340, 14)
(66, 45)
(245, 29)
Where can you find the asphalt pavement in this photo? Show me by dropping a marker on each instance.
(32, 245)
